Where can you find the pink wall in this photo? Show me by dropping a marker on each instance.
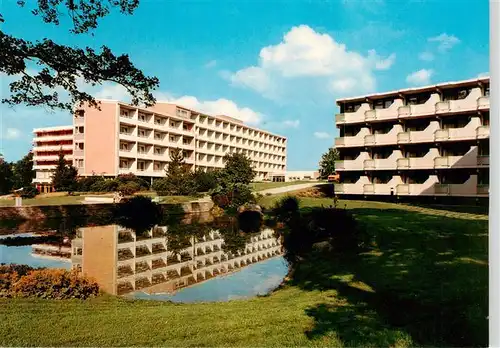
(101, 139)
(164, 108)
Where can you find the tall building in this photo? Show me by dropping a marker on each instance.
(429, 141)
(120, 138)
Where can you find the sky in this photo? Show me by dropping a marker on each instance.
(277, 65)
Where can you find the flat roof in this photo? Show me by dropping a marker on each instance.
(415, 89)
(52, 129)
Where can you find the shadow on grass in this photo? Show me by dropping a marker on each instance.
(425, 276)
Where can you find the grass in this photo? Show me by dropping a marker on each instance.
(259, 186)
(78, 199)
(425, 283)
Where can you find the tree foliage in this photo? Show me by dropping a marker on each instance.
(65, 176)
(179, 180)
(61, 67)
(327, 162)
(6, 177)
(23, 171)
(238, 169)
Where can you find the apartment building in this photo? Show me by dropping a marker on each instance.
(431, 141)
(120, 139)
(47, 144)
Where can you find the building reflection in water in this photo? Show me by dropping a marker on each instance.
(155, 262)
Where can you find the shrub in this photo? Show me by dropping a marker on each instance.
(106, 185)
(24, 281)
(128, 188)
(205, 181)
(128, 178)
(232, 196)
(286, 206)
(86, 184)
(175, 186)
(29, 192)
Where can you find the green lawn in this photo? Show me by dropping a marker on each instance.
(259, 186)
(425, 283)
(78, 199)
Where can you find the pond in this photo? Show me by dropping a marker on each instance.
(182, 261)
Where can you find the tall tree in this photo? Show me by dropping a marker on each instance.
(23, 171)
(65, 176)
(179, 179)
(60, 66)
(238, 169)
(327, 162)
(6, 177)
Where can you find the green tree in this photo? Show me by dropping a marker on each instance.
(23, 171)
(179, 180)
(238, 169)
(65, 176)
(327, 162)
(61, 65)
(6, 177)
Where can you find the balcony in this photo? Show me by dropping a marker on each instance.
(483, 103)
(427, 108)
(464, 161)
(353, 141)
(355, 164)
(381, 163)
(427, 188)
(390, 113)
(473, 130)
(468, 189)
(469, 103)
(424, 136)
(357, 116)
(383, 139)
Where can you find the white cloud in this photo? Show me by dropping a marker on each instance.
(291, 123)
(216, 107)
(11, 133)
(322, 135)
(419, 78)
(445, 41)
(483, 74)
(306, 55)
(211, 64)
(426, 56)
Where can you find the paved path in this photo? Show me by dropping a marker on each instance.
(283, 189)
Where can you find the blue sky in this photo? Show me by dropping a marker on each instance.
(278, 65)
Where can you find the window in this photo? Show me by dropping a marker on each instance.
(78, 146)
(124, 164)
(142, 117)
(142, 149)
(79, 163)
(80, 113)
(124, 146)
(124, 113)
(142, 133)
(124, 130)
(487, 91)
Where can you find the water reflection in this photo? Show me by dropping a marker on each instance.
(160, 261)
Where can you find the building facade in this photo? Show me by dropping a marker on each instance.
(430, 141)
(47, 144)
(302, 175)
(120, 139)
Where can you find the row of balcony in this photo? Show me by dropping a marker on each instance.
(433, 133)
(431, 187)
(433, 106)
(431, 160)
(164, 123)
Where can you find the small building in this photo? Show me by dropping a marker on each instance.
(302, 175)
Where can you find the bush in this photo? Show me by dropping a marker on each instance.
(105, 185)
(205, 181)
(232, 196)
(86, 184)
(128, 188)
(29, 192)
(175, 186)
(286, 206)
(128, 178)
(24, 281)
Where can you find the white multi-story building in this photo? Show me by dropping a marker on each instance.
(428, 141)
(120, 139)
